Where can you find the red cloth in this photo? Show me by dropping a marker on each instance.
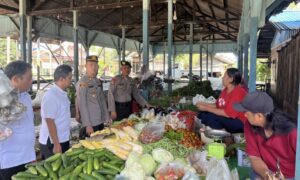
(277, 146)
(226, 101)
(135, 106)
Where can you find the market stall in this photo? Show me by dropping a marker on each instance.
(145, 146)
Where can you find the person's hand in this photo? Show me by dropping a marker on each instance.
(77, 117)
(89, 130)
(149, 106)
(108, 123)
(57, 148)
(201, 106)
(113, 115)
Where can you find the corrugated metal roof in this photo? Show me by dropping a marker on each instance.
(282, 37)
(286, 25)
(286, 16)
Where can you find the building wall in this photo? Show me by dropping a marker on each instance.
(285, 75)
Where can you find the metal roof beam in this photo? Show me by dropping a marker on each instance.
(99, 6)
(9, 8)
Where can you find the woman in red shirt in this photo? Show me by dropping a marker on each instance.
(271, 137)
(221, 115)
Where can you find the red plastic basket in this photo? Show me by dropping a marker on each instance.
(188, 117)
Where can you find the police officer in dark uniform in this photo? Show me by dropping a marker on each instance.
(90, 100)
(122, 89)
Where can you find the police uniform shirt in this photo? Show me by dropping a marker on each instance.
(55, 105)
(19, 149)
(91, 102)
(121, 90)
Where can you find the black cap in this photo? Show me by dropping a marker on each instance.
(256, 102)
(92, 58)
(125, 63)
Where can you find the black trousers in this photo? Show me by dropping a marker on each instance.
(83, 134)
(123, 110)
(47, 150)
(6, 174)
(219, 122)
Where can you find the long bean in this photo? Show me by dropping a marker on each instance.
(176, 149)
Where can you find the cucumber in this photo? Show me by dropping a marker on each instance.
(53, 158)
(65, 177)
(41, 170)
(60, 171)
(87, 176)
(109, 177)
(82, 157)
(73, 177)
(99, 153)
(74, 152)
(89, 152)
(98, 176)
(78, 169)
(90, 165)
(96, 164)
(111, 166)
(32, 170)
(51, 173)
(25, 175)
(65, 160)
(15, 177)
(107, 172)
(67, 170)
(56, 164)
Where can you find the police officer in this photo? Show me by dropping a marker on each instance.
(122, 89)
(90, 100)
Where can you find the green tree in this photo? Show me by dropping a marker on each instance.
(3, 50)
(263, 71)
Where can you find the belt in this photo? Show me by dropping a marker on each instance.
(123, 103)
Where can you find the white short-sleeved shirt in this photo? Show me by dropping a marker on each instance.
(19, 149)
(55, 105)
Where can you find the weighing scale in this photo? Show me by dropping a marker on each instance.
(216, 149)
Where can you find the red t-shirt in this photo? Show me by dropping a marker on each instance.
(269, 150)
(226, 101)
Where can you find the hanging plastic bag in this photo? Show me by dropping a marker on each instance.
(198, 161)
(170, 171)
(152, 133)
(218, 170)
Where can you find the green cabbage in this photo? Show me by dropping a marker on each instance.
(148, 164)
(162, 156)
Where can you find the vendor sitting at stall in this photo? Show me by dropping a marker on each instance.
(271, 137)
(221, 115)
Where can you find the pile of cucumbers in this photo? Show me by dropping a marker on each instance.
(80, 163)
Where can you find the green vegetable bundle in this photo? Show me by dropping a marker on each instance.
(79, 163)
(194, 88)
(177, 150)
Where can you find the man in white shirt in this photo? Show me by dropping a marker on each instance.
(56, 117)
(18, 149)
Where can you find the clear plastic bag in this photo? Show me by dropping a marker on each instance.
(218, 170)
(198, 161)
(152, 133)
(170, 171)
(5, 132)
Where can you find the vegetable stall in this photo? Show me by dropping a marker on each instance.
(145, 146)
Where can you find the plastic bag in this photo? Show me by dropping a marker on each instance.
(170, 171)
(198, 160)
(152, 133)
(218, 170)
(190, 176)
(5, 132)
